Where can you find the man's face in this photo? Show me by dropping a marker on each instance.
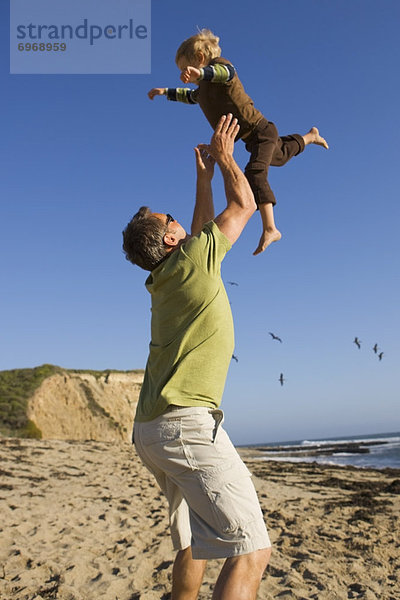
(172, 226)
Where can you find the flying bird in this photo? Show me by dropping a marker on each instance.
(380, 355)
(232, 283)
(275, 337)
(375, 348)
(235, 358)
(357, 342)
(281, 379)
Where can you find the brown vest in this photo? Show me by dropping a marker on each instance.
(217, 99)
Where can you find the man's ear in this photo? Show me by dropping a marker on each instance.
(170, 239)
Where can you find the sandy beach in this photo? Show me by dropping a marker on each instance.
(84, 521)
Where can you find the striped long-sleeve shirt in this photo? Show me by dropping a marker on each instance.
(220, 92)
(216, 73)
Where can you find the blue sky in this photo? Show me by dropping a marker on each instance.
(79, 154)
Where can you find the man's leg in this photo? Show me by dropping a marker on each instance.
(240, 576)
(187, 575)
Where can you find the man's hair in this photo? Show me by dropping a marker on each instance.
(144, 240)
(204, 41)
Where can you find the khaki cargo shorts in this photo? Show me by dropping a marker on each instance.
(213, 505)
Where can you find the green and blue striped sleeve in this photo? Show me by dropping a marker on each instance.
(185, 95)
(217, 73)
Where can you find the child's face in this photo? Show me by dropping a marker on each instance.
(197, 62)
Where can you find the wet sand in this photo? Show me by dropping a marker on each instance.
(85, 520)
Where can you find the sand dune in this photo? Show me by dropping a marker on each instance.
(84, 521)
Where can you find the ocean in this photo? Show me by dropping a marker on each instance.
(377, 451)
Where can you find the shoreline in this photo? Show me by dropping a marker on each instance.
(85, 520)
(248, 454)
(321, 452)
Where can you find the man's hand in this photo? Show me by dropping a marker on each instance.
(156, 92)
(223, 141)
(239, 197)
(190, 75)
(204, 164)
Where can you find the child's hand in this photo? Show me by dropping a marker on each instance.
(204, 163)
(190, 75)
(156, 92)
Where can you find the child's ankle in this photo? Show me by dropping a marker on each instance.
(270, 229)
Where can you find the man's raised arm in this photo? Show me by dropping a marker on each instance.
(204, 207)
(239, 197)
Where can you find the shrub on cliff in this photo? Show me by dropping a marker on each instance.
(16, 387)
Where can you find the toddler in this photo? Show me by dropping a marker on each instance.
(220, 92)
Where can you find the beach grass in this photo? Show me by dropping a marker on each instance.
(16, 387)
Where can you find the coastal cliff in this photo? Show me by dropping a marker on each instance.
(54, 403)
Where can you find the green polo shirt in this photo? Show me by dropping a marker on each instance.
(191, 328)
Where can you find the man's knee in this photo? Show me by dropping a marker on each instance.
(260, 559)
(266, 554)
(187, 575)
(254, 563)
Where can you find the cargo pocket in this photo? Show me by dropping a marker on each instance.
(232, 496)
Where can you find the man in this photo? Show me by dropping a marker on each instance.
(213, 506)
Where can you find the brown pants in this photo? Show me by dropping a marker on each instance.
(267, 148)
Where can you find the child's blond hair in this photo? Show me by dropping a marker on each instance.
(204, 41)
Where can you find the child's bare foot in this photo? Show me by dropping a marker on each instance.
(267, 237)
(313, 137)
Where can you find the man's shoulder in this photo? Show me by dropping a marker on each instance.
(209, 230)
(208, 248)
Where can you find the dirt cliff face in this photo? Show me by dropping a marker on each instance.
(71, 406)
